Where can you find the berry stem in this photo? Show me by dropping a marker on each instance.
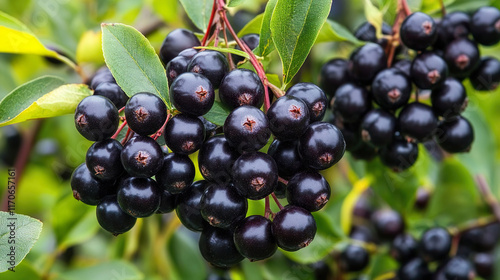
(121, 109)
(210, 23)
(119, 129)
(283, 180)
(125, 139)
(277, 201)
(160, 131)
(229, 56)
(403, 10)
(268, 211)
(488, 196)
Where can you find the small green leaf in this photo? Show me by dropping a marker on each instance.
(374, 16)
(266, 45)
(226, 50)
(190, 257)
(234, 3)
(198, 11)
(133, 61)
(44, 97)
(18, 234)
(104, 271)
(335, 32)
(252, 26)
(381, 264)
(218, 114)
(295, 25)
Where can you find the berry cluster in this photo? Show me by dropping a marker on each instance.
(433, 256)
(137, 177)
(373, 104)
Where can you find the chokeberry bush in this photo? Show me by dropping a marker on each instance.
(230, 139)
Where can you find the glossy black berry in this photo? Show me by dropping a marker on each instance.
(188, 53)
(404, 248)
(142, 157)
(403, 65)
(450, 99)
(321, 146)
(333, 74)
(241, 87)
(167, 202)
(184, 134)
(435, 244)
(103, 75)
(112, 218)
(366, 61)
(351, 103)
(391, 89)
(177, 173)
(378, 127)
(428, 71)
(222, 206)
(314, 98)
(487, 75)
(418, 31)
(188, 206)
(388, 223)
(175, 42)
(399, 155)
(254, 238)
(363, 207)
(211, 64)
(247, 129)
(455, 135)
(294, 228)
(192, 93)
(415, 269)
(417, 121)
(86, 188)
(288, 118)
(366, 32)
(96, 118)
(354, 258)
(485, 26)
(308, 190)
(422, 198)
(113, 92)
(217, 247)
(176, 67)
(255, 175)
(287, 157)
(139, 197)
(251, 40)
(459, 268)
(453, 26)
(484, 265)
(462, 57)
(215, 159)
(210, 127)
(145, 113)
(103, 159)
(481, 239)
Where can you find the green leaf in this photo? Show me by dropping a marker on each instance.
(44, 97)
(374, 16)
(252, 26)
(381, 264)
(17, 38)
(234, 3)
(295, 25)
(104, 271)
(198, 11)
(334, 32)
(266, 45)
(133, 61)
(83, 230)
(190, 257)
(18, 234)
(166, 9)
(218, 114)
(226, 50)
(23, 271)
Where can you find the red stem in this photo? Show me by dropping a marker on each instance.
(283, 180)
(160, 131)
(277, 201)
(125, 139)
(121, 109)
(119, 130)
(210, 23)
(268, 211)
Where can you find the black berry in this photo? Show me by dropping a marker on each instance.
(418, 31)
(428, 70)
(255, 175)
(308, 190)
(366, 61)
(176, 67)
(366, 32)
(287, 157)
(222, 206)
(167, 202)
(321, 146)
(217, 247)
(112, 218)
(142, 156)
(403, 65)
(184, 134)
(103, 75)
(254, 239)
(462, 57)
(459, 268)
(450, 99)
(145, 113)
(404, 248)
(314, 98)
(192, 93)
(415, 269)
(485, 26)
(177, 173)
(251, 40)
(288, 118)
(378, 127)
(333, 74)
(399, 155)
(103, 159)
(391, 89)
(96, 118)
(455, 135)
(351, 103)
(175, 42)
(484, 264)
(215, 160)
(354, 258)
(241, 87)
(139, 197)
(86, 188)
(188, 206)
(487, 75)
(388, 223)
(453, 26)
(113, 92)
(417, 121)
(294, 228)
(211, 64)
(435, 244)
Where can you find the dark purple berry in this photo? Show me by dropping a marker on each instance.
(418, 31)
(415, 269)
(113, 92)
(354, 258)
(241, 87)
(287, 157)
(255, 175)
(251, 40)
(367, 32)
(453, 26)
(388, 223)
(435, 244)
(142, 156)
(188, 53)
(404, 248)
(422, 198)
(333, 74)
(484, 264)
(184, 134)
(485, 26)
(417, 121)
(175, 42)
(314, 98)
(216, 159)
(462, 57)
(112, 218)
(103, 159)
(188, 206)
(308, 190)
(321, 146)
(294, 228)
(145, 113)
(254, 239)
(217, 247)
(192, 93)
(459, 268)
(210, 128)
(404, 65)
(487, 75)
(455, 135)
(139, 197)
(96, 118)
(222, 206)
(366, 61)
(450, 99)
(103, 75)
(428, 71)
(167, 202)
(391, 89)
(399, 155)
(288, 118)
(177, 173)
(211, 64)
(351, 103)
(378, 127)
(87, 189)
(176, 67)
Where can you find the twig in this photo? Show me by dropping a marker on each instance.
(277, 201)
(488, 196)
(268, 211)
(283, 180)
(160, 131)
(210, 23)
(119, 130)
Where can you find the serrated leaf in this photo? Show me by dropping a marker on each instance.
(44, 97)
(234, 3)
(133, 61)
(266, 45)
(198, 11)
(17, 38)
(334, 32)
(295, 25)
(252, 26)
(218, 114)
(225, 50)
(104, 271)
(18, 234)
(374, 16)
